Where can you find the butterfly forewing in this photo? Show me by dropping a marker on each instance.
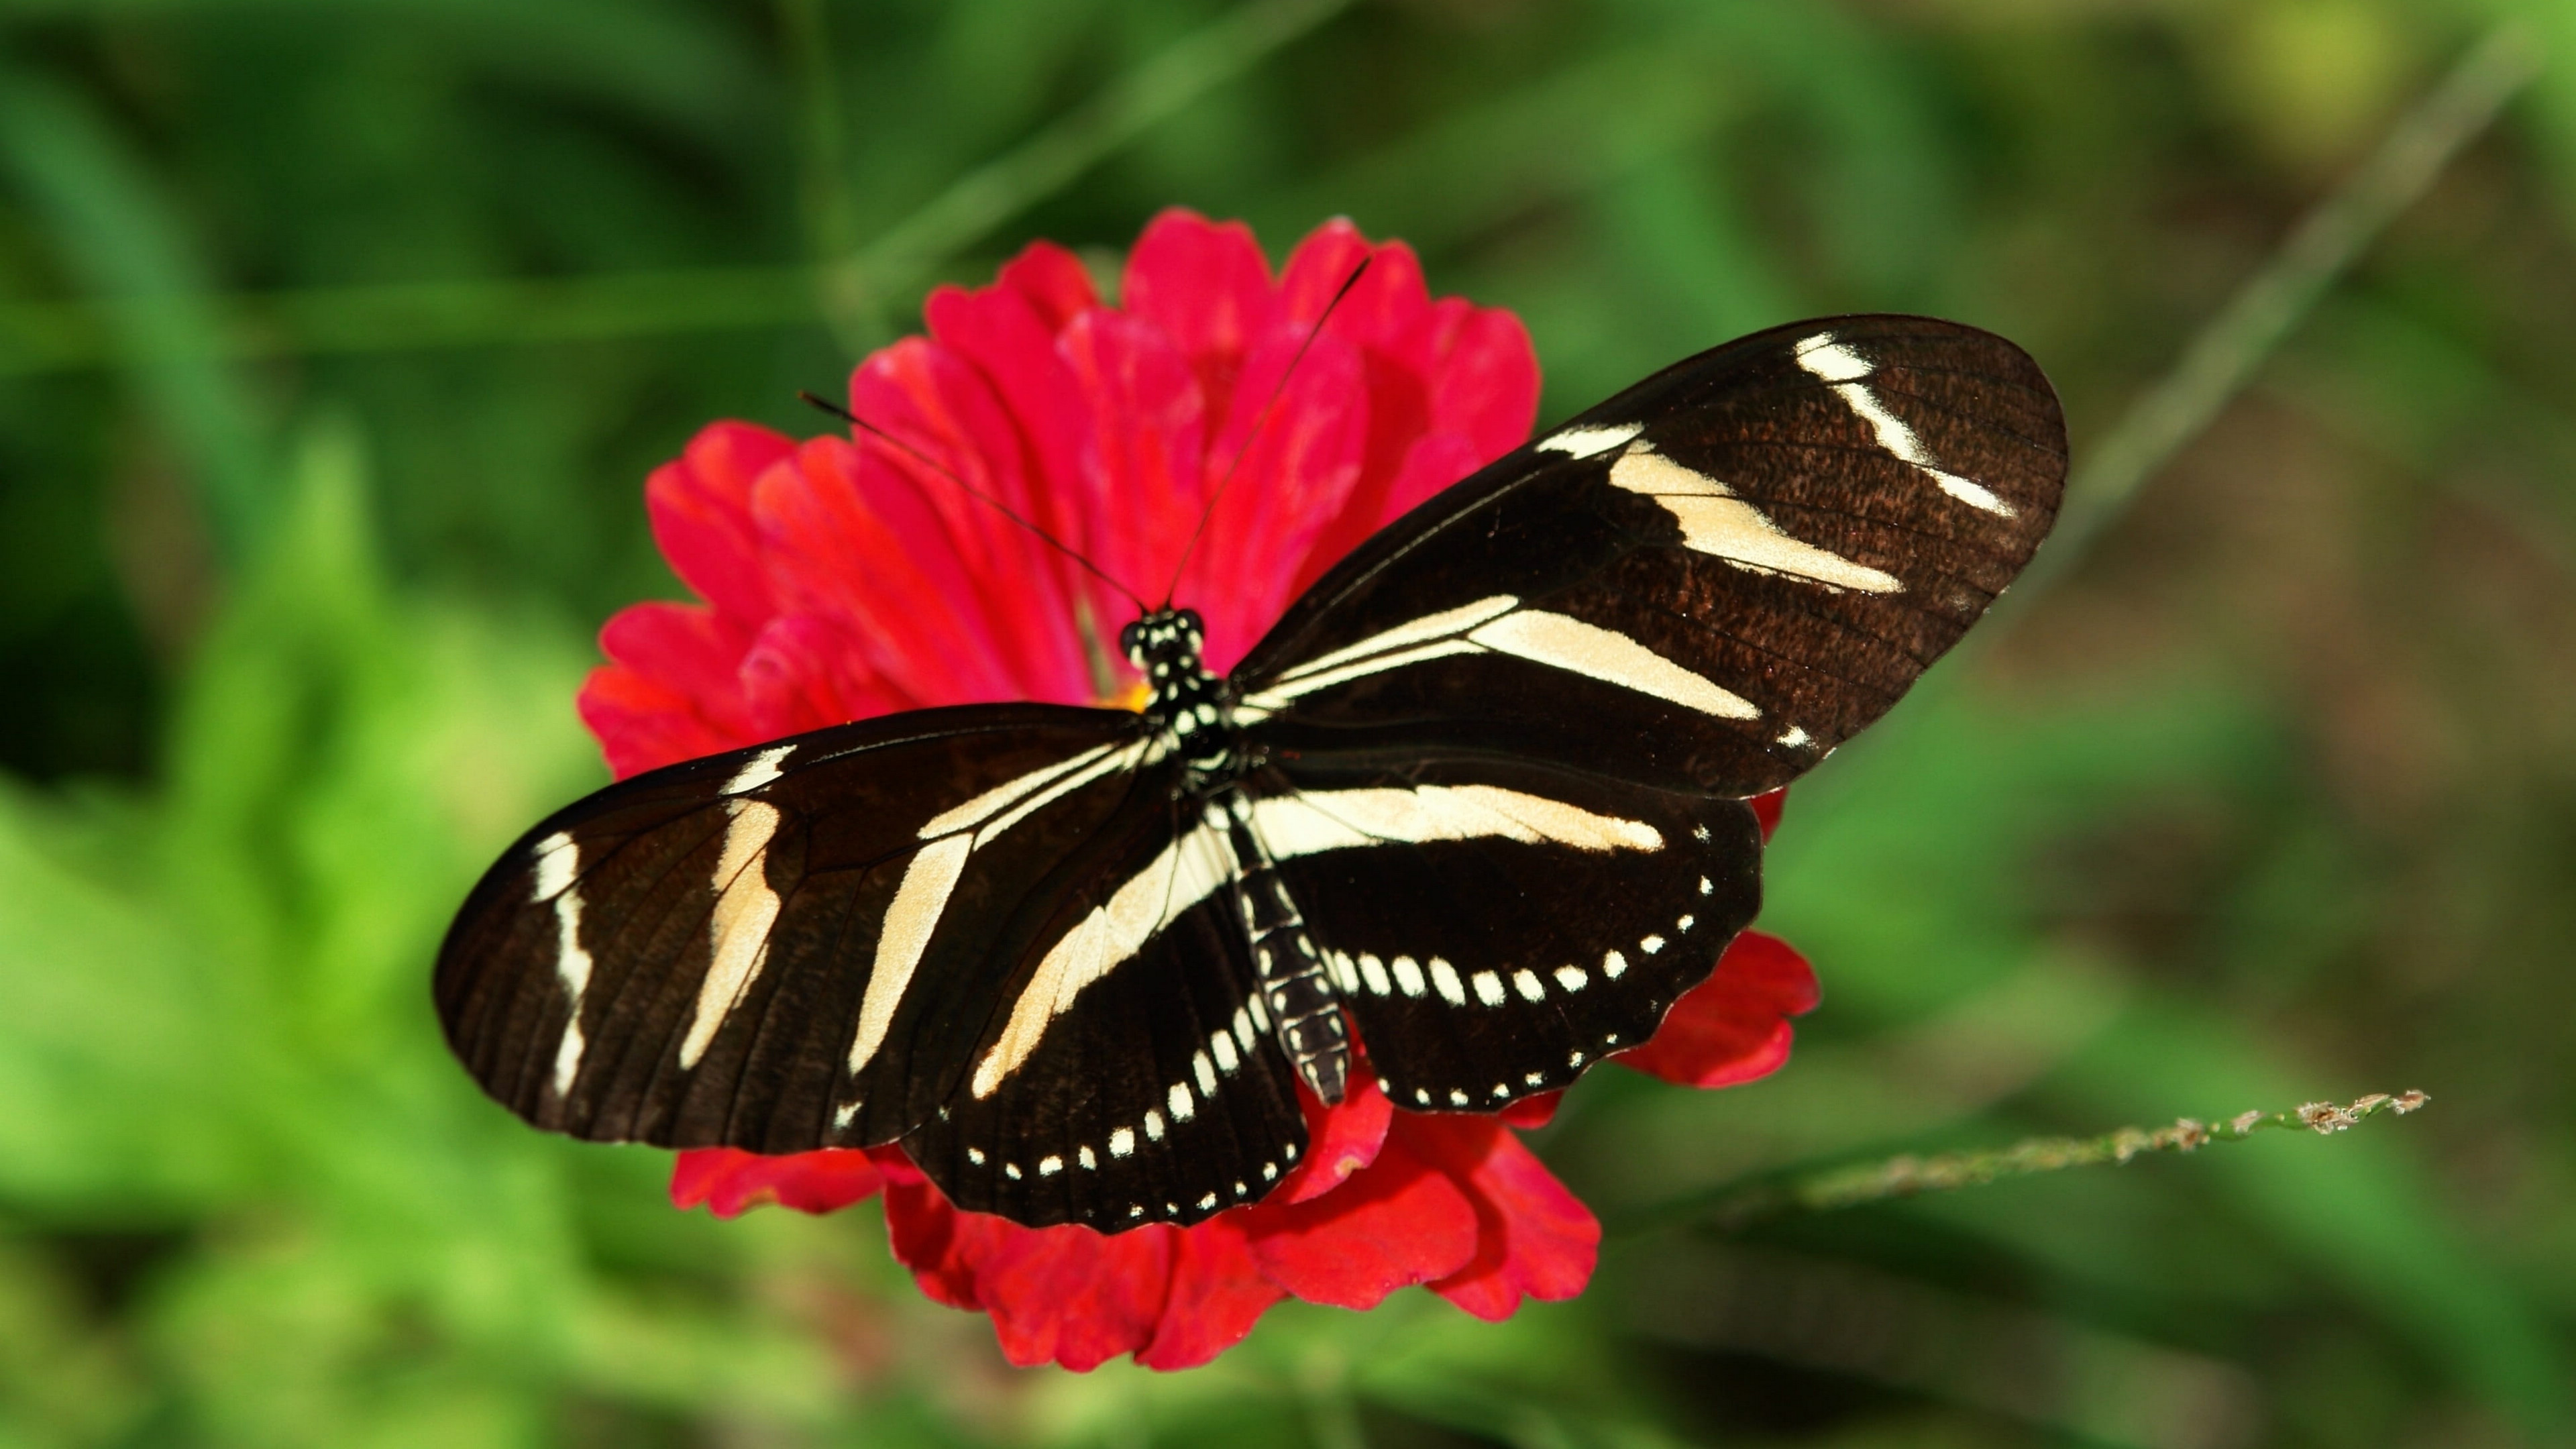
(785, 947)
(1705, 583)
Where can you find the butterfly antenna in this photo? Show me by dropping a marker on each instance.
(1254, 435)
(996, 504)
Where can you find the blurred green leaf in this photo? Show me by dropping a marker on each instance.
(113, 229)
(58, 1383)
(2270, 797)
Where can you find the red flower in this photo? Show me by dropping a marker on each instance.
(843, 579)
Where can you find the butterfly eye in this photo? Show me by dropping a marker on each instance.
(1131, 644)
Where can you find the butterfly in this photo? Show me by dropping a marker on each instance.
(1477, 803)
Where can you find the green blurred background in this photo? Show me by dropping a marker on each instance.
(337, 338)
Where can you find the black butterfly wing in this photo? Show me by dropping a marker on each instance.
(1504, 744)
(1133, 1076)
(1497, 927)
(1509, 735)
(1703, 584)
(793, 946)
(992, 933)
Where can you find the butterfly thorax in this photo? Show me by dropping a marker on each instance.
(1192, 705)
(1186, 699)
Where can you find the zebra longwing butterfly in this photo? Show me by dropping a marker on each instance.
(1479, 797)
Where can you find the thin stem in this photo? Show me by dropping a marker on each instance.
(2223, 356)
(151, 303)
(44, 337)
(2221, 359)
(831, 217)
(1741, 1205)
(977, 203)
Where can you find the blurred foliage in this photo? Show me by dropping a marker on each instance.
(336, 339)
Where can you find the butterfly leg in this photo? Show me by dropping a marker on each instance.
(1305, 1008)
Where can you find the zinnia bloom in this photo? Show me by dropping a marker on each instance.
(842, 578)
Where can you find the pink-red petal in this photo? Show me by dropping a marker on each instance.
(1071, 1296)
(1396, 1223)
(1206, 286)
(854, 548)
(1533, 1238)
(1217, 1293)
(1341, 1139)
(1292, 477)
(1430, 368)
(1767, 808)
(669, 692)
(1486, 381)
(701, 512)
(1174, 1297)
(1142, 483)
(641, 723)
(1435, 461)
(1733, 1027)
(1053, 280)
(941, 1245)
(803, 673)
(1002, 333)
(1001, 584)
(1531, 1113)
(1388, 310)
(728, 1180)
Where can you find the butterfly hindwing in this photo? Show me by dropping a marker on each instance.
(1130, 1075)
(1496, 928)
(1706, 582)
(785, 947)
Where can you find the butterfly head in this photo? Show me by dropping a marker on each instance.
(1164, 645)
(1187, 700)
